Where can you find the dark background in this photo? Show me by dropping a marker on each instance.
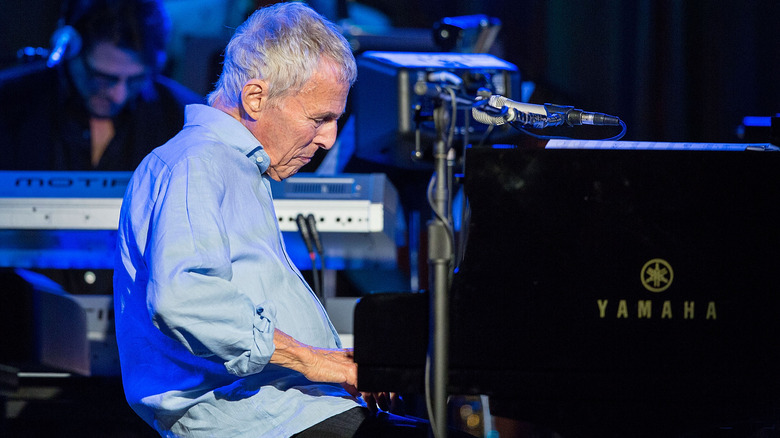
(673, 70)
(678, 71)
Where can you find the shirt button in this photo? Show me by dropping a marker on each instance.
(259, 159)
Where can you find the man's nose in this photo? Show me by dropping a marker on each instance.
(326, 136)
(118, 92)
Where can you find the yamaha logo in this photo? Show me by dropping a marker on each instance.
(657, 275)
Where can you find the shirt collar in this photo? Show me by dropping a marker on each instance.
(229, 131)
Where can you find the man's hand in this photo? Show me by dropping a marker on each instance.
(385, 401)
(334, 366)
(316, 364)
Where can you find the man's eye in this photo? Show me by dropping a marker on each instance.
(321, 121)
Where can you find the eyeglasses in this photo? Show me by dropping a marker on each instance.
(106, 81)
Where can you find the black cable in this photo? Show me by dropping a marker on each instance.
(311, 223)
(520, 128)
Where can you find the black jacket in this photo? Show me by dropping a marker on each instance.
(45, 126)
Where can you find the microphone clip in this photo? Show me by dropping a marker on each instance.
(483, 112)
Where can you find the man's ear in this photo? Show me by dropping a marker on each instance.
(253, 96)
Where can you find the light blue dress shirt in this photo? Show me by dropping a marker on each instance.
(202, 279)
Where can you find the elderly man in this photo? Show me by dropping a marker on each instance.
(219, 335)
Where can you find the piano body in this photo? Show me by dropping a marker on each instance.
(606, 289)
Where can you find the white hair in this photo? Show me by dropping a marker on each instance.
(282, 44)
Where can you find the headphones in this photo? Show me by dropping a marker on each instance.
(66, 41)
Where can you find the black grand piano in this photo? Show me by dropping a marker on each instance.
(618, 289)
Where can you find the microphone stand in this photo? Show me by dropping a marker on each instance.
(440, 258)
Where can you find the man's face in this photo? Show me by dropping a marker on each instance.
(108, 77)
(293, 127)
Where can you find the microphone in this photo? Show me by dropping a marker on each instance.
(311, 222)
(498, 110)
(66, 42)
(304, 229)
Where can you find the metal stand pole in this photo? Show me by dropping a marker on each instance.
(440, 255)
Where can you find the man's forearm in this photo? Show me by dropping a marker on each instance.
(316, 364)
(290, 353)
